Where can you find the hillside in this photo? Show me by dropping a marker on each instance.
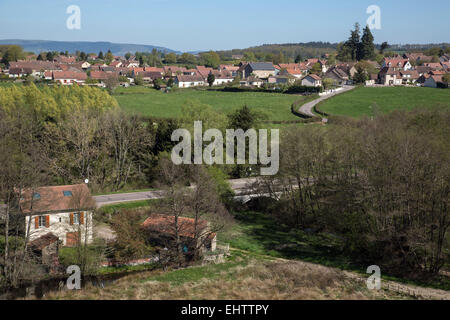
(249, 277)
(121, 49)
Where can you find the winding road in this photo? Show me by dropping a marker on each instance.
(307, 108)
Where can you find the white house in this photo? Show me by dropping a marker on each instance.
(312, 80)
(189, 81)
(65, 211)
(68, 78)
(397, 64)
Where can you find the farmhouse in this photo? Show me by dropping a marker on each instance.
(312, 80)
(69, 78)
(65, 211)
(262, 70)
(189, 81)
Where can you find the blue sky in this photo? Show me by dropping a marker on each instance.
(222, 24)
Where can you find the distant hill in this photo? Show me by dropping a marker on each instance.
(121, 49)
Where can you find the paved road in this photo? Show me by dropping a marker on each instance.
(238, 185)
(308, 107)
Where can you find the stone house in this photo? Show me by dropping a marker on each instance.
(65, 211)
(161, 231)
(45, 249)
(312, 80)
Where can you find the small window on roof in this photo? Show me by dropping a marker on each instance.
(67, 193)
(36, 196)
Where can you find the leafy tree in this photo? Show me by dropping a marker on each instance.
(383, 47)
(211, 79)
(109, 57)
(210, 59)
(12, 53)
(188, 58)
(298, 58)
(446, 78)
(250, 56)
(170, 58)
(360, 75)
(316, 69)
(138, 80)
(127, 56)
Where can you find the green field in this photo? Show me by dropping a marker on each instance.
(150, 102)
(366, 101)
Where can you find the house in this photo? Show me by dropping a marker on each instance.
(69, 78)
(161, 231)
(203, 71)
(150, 76)
(231, 68)
(116, 64)
(262, 70)
(348, 68)
(312, 80)
(397, 63)
(221, 77)
(339, 76)
(252, 81)
(173, 71)
(373, 79)
(99, 75)
(154, 69)
(390, 77)
(417, 57)
(237, 56)
(409, 76)
(433, 65)
(65, 211)
(423, 70)
(435, 81)
(284, 78)
(189, 81)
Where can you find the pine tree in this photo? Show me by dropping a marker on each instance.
(354, 43)
(367, 46)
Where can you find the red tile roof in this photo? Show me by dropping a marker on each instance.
(60, 75)
(166, 225)
(52, 199)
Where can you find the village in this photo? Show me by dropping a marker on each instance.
(409, 69)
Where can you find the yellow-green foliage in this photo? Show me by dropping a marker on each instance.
(55, 102)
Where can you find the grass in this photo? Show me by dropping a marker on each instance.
(242, 277)
(127, 205)
(150, 102)
(367, 101)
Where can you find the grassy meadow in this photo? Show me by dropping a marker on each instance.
(368, 101)
(149, 102)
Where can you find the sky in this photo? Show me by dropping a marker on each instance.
(191, 25)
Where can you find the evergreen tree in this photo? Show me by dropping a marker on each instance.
(211, 79)
(298, 58)
(367, 46)
(100, 55)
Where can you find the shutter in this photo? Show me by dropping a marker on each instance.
(81, 217)
(36, 222)
(71, 219)
(47, 221)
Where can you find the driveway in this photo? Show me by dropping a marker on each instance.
(307, 108)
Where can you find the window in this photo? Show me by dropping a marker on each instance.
(42, 221)
(67, 193)
(36, 196)
(76, 218)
